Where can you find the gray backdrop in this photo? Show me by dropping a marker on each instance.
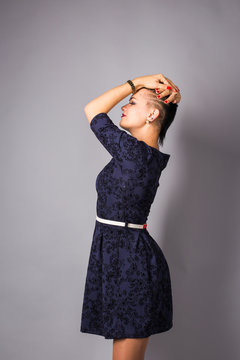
(56, 56)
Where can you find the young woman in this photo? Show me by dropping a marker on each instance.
(128, 293)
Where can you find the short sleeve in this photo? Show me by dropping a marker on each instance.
(121, 145)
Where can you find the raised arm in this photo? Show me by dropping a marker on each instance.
(106, 101)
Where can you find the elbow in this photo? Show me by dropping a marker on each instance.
(86, 109)
(89, 113)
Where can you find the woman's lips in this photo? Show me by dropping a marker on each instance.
(123, 115)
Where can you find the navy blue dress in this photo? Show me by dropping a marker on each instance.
(128, 287)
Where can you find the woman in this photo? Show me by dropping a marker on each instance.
(127, 293)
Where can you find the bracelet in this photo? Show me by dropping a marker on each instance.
(132, 86)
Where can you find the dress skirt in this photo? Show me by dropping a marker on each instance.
(128, 287)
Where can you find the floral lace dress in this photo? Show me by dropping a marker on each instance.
(128, 287)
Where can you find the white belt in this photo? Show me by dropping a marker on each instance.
(120, 223)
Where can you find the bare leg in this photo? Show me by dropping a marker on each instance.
(129, 349)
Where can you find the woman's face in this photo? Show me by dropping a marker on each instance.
(136, 111)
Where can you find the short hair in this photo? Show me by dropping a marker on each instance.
(167, 112)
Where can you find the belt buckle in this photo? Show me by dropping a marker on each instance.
(144, 226)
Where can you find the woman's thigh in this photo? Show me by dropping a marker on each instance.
(129, 349)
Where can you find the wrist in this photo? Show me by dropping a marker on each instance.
(137, 83)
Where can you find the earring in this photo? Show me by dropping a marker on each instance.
(147, 121)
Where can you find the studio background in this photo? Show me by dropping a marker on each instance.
(56, 56)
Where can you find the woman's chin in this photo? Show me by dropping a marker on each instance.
(122, 120)
(120, 124)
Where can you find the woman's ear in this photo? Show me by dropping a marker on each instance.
(156, 113)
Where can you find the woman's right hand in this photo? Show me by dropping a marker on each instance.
(161, 84)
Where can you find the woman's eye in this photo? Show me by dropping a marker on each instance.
(131, 103)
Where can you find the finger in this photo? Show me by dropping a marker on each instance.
(167, 82)
(177, 88)
(171, 98)
(165, 92)
(175, 98)
(178, 98)
(163, 79)
(164, 88)
(173, 85)
(159, 90)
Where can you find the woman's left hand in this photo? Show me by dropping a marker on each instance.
(161, 84)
